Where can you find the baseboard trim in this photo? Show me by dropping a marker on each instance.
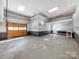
(3, 36)
(76, 38)
(38, 33)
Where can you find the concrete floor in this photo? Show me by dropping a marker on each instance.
(46, 47)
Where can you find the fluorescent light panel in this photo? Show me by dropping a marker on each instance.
(21, 8)
(53, 9)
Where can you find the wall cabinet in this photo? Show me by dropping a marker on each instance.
(16, 30)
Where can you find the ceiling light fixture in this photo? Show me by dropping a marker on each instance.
(21, 8)
(53, 9)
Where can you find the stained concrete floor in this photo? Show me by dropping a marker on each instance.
(46, 47)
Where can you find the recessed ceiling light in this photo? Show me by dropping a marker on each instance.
(53, 9)
(21, 8)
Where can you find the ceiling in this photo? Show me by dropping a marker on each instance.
(33, 7)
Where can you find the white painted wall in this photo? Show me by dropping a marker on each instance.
(76, 20)
(29, 28)
(63, 26)
(60, 25)
(38, 23)
(17, 20)
(2, 21)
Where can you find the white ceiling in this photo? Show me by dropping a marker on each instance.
(35, 6)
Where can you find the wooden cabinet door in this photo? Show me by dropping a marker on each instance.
(16, 32)
(10, 31)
